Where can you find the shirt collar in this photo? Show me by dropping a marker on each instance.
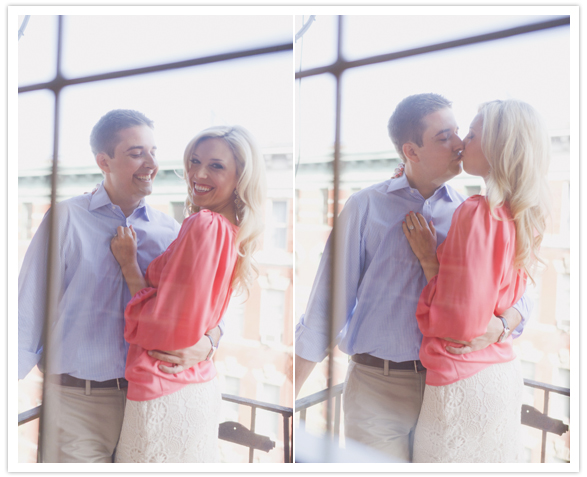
(100, 198)
(402, 183)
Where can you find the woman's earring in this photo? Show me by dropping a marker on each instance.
(238, 201)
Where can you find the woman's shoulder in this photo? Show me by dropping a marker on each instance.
(207, 221)
(475, 212)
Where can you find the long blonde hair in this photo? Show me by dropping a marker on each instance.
(251, 189)
(516, 143)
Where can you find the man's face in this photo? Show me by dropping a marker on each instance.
(133, 168)
(439, 158)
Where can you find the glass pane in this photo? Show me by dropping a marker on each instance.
(317, 46)
(97, 44)
(369, 35)
(37, 49)
(35, 130)
(255, 93)
(467, 76)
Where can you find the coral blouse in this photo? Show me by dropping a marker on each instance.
(476, 280)
(189, 290)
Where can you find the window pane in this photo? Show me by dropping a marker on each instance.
(37, 50)
(317, 47)
(369, 35)
(97, 44)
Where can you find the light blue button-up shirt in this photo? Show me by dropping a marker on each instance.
(88, 335)
(381, 277)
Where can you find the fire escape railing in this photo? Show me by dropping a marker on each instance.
(232, 431)
(530, 416)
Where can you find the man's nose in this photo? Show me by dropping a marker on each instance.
(150, 160)
(458, 142)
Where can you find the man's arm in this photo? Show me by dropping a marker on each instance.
(32, 291)
(303, 369)
(494, 331)
(183, 359)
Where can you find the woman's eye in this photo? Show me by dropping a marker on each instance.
(218, 166)
(193, 160)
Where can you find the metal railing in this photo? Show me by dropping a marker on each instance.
(531, 416)
(232, 431)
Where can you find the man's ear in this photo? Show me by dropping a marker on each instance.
(102, 160)
(410, 152)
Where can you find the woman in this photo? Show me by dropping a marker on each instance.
(174, 417)
(472, 403)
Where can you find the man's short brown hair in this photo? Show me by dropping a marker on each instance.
(104, 136)
(405, 124)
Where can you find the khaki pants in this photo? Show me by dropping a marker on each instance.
(382, 411)
(79, 427)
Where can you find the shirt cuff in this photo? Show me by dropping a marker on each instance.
(310, 345)
(524, 306)
(26, 362)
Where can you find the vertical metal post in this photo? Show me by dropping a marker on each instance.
(285, 438)
(51, 291)
(253, 419)
(544, 435)
(334, 278)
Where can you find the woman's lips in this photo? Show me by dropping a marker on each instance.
(202, 188)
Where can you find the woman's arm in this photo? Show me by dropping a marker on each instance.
(193, 288)
(473, 280)
(124, 249)
(422, 239)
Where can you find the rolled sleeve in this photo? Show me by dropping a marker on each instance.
(524, 307)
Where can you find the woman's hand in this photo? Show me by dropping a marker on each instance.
(124, 249)
(124, 246)
(422, 238)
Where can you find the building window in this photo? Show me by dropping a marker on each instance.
(472, 190)
(25, 221)
(234, 316)
(177, 210)
(278, 237)
(232, 386)
(268, 422)
(272, 310)
(563, 297)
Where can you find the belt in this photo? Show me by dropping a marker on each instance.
(369, 360)
(67, 380)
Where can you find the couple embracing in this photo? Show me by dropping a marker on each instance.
(433, 376)
(140, 299)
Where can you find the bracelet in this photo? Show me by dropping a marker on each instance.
(506, 330)
(213, 350)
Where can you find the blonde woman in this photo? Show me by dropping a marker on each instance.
(472, 403)
(174, 417)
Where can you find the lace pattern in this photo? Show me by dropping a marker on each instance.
(477, 419)
(179, 427)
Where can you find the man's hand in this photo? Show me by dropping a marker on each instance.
(183, 359)
(494, 331)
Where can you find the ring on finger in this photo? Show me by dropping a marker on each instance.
(411, 227)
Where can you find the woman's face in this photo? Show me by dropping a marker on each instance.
(474, 161)
(213, 177)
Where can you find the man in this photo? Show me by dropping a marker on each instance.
(85, 386)
(382, 281)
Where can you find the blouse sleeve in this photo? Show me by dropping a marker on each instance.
(476, 262)
(192, 290)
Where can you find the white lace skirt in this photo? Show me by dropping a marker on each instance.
(179, 427)
(477, 419)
